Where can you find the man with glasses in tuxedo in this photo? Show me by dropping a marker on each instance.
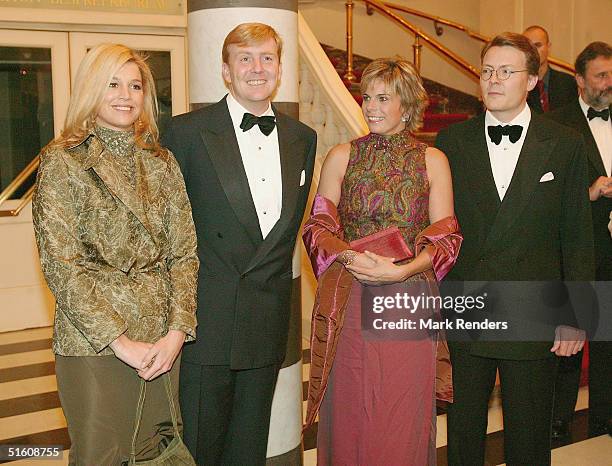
(520, 185)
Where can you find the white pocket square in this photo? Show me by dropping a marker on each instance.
(547, 177)
(303, 178)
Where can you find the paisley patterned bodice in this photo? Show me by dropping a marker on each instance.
(385, 185)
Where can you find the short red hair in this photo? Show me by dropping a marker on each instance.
(248, 34)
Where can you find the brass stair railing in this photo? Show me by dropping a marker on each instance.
(438, 22)
(15, 185)
(388, 10)
(416, 47)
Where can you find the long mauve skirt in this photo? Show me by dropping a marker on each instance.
(379, 405)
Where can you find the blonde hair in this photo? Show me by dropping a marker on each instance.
(401, 78)
(249, 34)
(91, 83)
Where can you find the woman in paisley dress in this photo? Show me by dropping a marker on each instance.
(118, 250)
(375, 390)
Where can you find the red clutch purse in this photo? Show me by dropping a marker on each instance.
(388, 242)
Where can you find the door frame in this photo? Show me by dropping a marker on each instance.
(80, 42)
(60, 65)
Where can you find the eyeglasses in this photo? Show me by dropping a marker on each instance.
(502, 73)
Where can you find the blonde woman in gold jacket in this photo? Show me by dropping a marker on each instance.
(118, 249)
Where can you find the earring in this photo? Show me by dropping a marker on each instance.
(405, 119)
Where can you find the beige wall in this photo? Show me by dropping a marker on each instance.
(25, 300)
(572, 24)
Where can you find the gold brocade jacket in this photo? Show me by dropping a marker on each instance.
(119, 255)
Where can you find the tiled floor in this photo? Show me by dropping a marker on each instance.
(30, 411)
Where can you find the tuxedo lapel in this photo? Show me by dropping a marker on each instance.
(105, 166)
(577, 120)
(535, 152)
(292, 161)
(224, 153)
(480, 174)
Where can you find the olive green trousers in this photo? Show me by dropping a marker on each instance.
(99, 395)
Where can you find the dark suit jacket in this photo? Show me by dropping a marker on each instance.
(244, 283)
(571, 115)
(540, 232)
(561, 91)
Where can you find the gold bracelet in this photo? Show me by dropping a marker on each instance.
(347, 257)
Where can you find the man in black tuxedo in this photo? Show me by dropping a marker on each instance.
(554, 88)
(520, 185)
(589, 114)
(247, 169)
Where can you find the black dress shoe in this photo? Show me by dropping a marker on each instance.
(560, 430)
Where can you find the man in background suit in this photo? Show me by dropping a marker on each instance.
(520, 197)
(554, 88)
(589, 114)
(248, 170)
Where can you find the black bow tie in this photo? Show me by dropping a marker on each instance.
(266, 123)
(603, 114)
(512, 131)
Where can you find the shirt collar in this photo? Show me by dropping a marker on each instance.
(583, 105)
(521, 119)
(237, 111)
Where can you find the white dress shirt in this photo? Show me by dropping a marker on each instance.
(602, 133)
(504, 157)
(261, 160)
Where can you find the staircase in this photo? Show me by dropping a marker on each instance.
(446, 105)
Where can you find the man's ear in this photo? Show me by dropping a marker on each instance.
(225, 72)
(580, 81)
(532, 80)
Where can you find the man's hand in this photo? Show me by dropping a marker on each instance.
(568, 340)
(602, 186)
(130, 352)
(161, 356)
